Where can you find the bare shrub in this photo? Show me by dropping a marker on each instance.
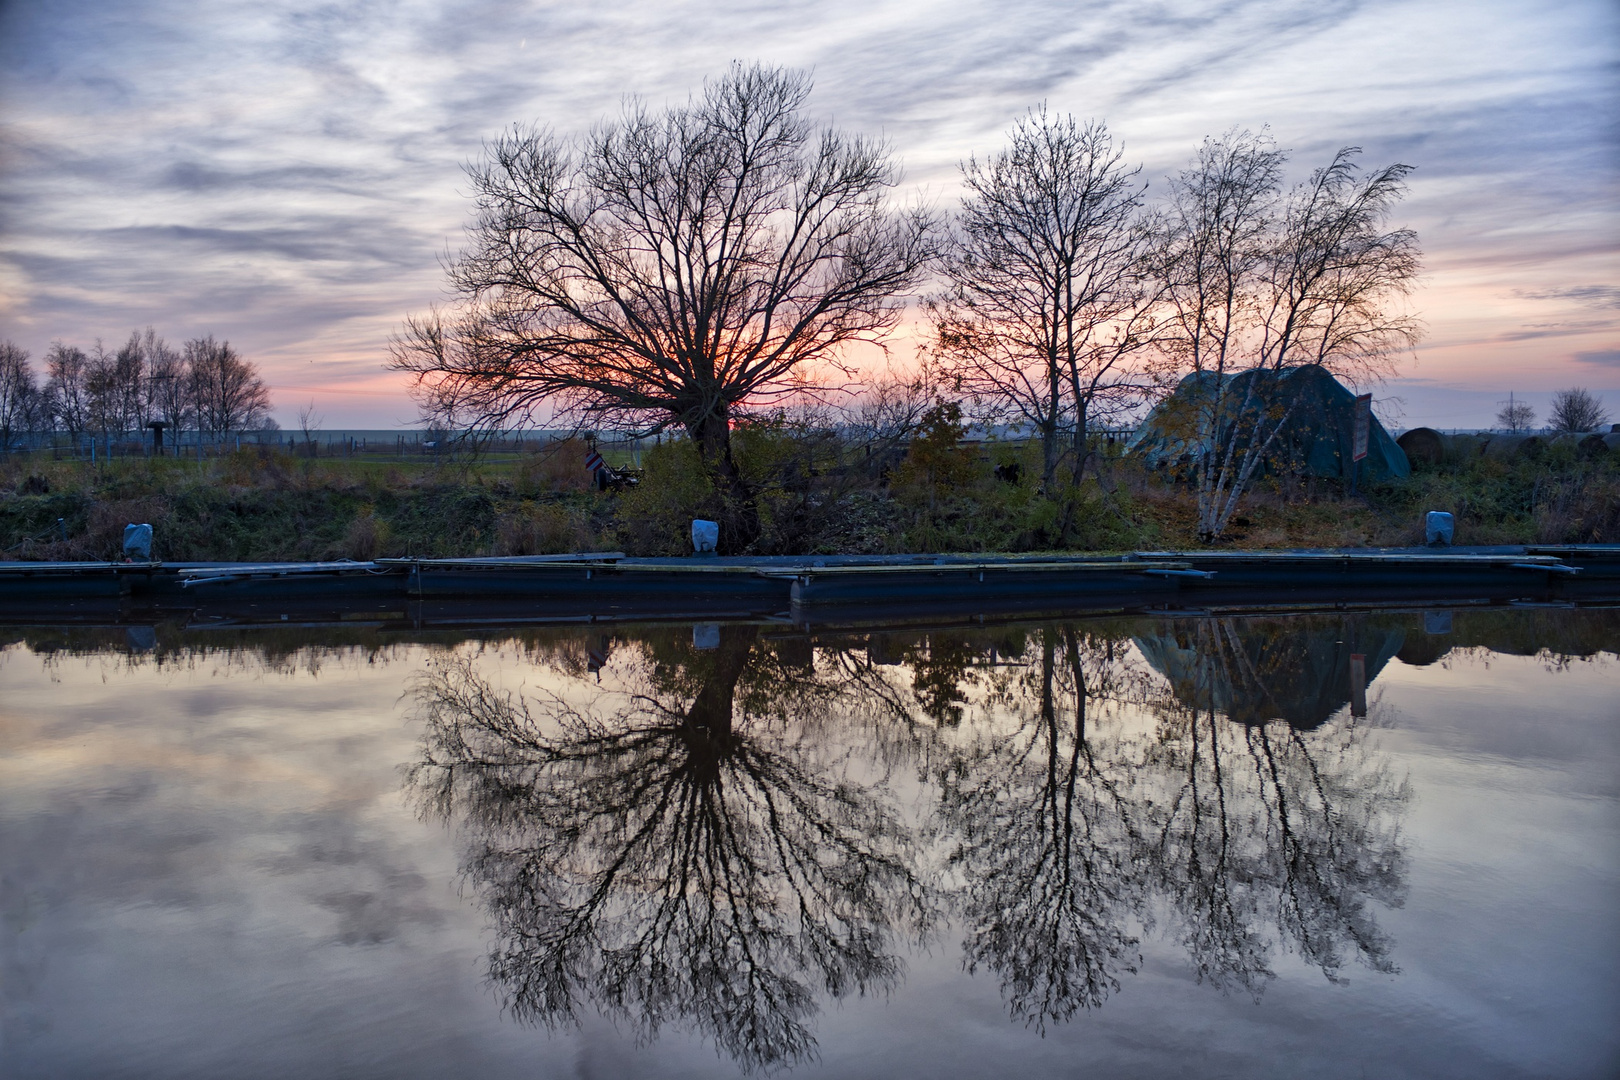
(367, 536)
(1577, 409)
(542, 529)
(559, 467)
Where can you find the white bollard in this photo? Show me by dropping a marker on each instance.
(705, 536)
(1438, 529)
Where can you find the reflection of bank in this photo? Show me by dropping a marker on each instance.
(1299, 669)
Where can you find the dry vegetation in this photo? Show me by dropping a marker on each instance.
(815, 495)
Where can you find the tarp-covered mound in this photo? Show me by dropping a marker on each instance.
(1316, 439)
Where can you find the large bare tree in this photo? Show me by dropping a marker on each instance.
(1045, 290)
(227, 393)
(668, 268)
(1261, 281)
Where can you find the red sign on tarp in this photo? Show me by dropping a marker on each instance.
(1363, 428)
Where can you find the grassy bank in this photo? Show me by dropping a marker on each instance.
(814, 497)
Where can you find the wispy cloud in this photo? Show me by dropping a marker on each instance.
(1601, 296)
(287, 172)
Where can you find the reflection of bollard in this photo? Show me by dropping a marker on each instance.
(1358, 684)
(705, 536)
(1438, 529)
(137, 543)
(706, 635)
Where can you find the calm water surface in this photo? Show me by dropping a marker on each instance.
(1361, 846)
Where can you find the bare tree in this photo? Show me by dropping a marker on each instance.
(667, 269)
(1044, 292)
(309, 425)
(129, 380)
(1577, 409)
(1516, 417)
(226, 391)
(103, 395)
(167, 396)
(65, 371)
(19, 396)
(1262, 282)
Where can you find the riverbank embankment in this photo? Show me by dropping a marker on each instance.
(609, 586)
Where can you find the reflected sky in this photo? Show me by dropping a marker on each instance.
(1153, 843)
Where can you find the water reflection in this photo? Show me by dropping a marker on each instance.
(715, 841)
(1047, 834)
(1258, 829)
(686, 850)
(1233, 839)
(1254, 670)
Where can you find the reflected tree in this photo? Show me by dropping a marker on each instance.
(713, 841)
(1263, 833)
(1235, 839)
(1046, 841)
(686, 856)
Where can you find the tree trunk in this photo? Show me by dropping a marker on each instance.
(1049, 457)
(1049, 428)
(739, 511)
(708, 736)
(1081, 452)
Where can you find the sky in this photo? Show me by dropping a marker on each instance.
(289, 175)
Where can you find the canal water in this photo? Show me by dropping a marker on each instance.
(1361, 845)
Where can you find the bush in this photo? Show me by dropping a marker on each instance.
(557, 467)
(367, 536)
(542, 529)
(655, 516)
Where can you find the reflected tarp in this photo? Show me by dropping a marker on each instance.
(1300, 670)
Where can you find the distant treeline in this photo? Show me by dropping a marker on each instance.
(203, 386)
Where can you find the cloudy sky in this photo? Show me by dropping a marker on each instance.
(287, 174)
